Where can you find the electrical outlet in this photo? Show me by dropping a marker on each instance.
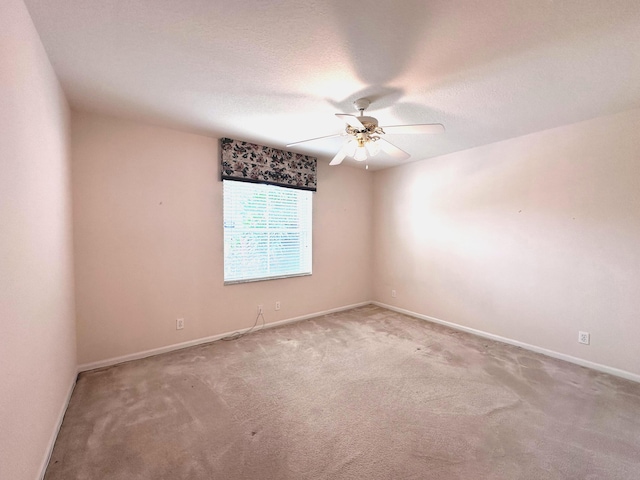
(278, 305)
(584, 337)
(393, 294)
(179, 323)
(259, 309)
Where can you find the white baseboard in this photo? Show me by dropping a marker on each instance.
(199, 341)
(56, 430)
(550, 353)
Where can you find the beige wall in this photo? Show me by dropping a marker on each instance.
(37, 341)
(149, 241)
(532, 239)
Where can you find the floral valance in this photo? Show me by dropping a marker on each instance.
(248, 162)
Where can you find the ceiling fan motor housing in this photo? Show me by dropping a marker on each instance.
(370, 127)
(368, 121)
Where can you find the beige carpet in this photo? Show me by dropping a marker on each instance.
(363, 394)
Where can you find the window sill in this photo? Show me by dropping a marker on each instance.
(262, 279)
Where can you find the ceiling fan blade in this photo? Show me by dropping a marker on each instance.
(337, 160)
(420, 128)
(392, 150)
(351, 120)
(317, 138)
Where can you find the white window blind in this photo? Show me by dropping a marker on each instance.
(267, 231)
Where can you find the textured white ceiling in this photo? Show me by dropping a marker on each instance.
(274, 72)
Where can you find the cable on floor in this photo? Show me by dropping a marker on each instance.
(240, 334)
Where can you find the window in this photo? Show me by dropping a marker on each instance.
(267, 232)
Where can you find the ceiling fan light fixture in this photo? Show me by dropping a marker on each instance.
(361, 154)
(372, 147)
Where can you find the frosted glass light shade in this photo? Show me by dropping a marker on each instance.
(373, 148)
(361, 154)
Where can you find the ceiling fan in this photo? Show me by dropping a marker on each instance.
(366, 136)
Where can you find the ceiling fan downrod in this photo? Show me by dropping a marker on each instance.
(361, 105)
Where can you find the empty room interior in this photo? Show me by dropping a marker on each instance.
(319, 239)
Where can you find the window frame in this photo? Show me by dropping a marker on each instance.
(306, 241)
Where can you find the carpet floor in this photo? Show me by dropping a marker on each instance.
(362, 394)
